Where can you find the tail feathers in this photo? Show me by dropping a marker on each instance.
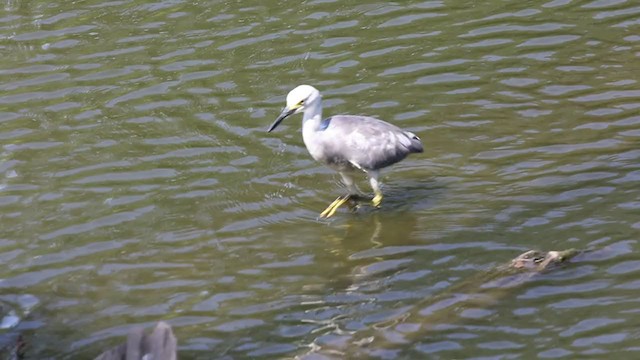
(416, 145)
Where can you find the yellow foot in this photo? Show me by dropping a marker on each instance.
(377, 200)
(329, 211)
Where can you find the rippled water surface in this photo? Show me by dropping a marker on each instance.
(138, 184)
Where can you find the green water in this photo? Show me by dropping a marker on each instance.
(138, 183)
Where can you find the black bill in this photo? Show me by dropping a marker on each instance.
(283, 115)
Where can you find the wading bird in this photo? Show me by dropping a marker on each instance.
(347, 143)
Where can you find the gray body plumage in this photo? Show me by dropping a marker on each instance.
(348, 142)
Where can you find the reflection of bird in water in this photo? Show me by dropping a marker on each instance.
(365, 267)
(160, 345)
(348, 142)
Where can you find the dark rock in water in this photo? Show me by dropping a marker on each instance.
(160, 345)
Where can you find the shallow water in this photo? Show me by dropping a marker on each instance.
(137, 182)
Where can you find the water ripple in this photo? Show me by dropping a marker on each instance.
(137, 182)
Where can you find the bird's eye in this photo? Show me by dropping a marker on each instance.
(301, 103)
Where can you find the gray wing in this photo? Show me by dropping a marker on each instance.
(366, 142)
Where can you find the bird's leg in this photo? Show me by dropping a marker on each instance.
(331, 209)
(348, 181)
(353, 191)
(373, 179)
(350, 199)
(377, 199)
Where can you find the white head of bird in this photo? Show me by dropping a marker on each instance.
(298, 100)
(301, 96)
